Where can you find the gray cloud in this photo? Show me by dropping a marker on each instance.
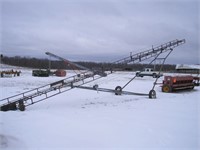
(99, 30)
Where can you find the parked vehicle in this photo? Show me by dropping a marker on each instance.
(148, 72)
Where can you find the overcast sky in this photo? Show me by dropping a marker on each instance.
(99, 30)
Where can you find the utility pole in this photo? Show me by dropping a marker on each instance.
(1, 58)
(50, 63)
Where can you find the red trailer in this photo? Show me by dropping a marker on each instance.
(173, 83)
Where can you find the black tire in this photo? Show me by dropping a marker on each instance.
(4, 108)
(137, 74)
(21, 107)
(166, 88)
(155, 75)
(152, 94)
(118, 90)
(12, 106)
(95, 87)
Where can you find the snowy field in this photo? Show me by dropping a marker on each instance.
(82, 119)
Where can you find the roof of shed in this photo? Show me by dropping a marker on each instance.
(185, 66)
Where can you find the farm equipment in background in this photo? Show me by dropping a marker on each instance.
(174, 83)
(40, 73)
(10, 73)
(60, 73)
(47, 73)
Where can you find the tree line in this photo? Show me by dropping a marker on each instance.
(37, 63)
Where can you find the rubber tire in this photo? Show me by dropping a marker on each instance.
(118, 90)
(21, 107)
(154, 75)
(166, 88)
(152, 94)
(137, 74)
(12, 106)
(96, 86)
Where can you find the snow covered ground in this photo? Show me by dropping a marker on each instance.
(82, 119)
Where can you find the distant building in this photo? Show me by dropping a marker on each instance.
(182, 68)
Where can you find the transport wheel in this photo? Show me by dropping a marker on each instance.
(166, 88)
(95, 87)
(118, 90)
(21, 107)
(12, 106)
(152, 94)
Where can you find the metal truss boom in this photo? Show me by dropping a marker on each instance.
(20, 101)
(154, 51)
